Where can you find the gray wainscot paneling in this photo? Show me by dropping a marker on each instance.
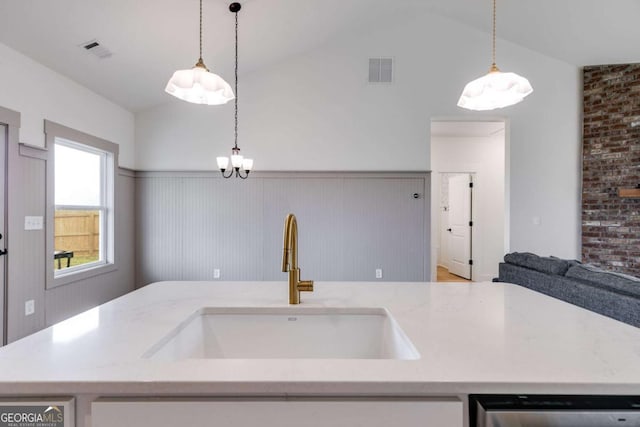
(26, 268)
(68, 300)
(350, 224)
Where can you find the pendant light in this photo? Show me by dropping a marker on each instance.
(240, 167)
(496, 89)
(198, 85)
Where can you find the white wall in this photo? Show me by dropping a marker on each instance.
(484, 157)
(39, 93)
(317, 112)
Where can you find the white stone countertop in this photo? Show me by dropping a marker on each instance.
(472, 338)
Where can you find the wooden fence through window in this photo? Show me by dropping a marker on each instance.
(77, 231)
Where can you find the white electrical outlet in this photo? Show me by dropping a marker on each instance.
(33, 223)
(216, 273)
(378, 273)
(29, 307)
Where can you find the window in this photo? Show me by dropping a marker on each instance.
(83, 215)
(80, 193)
(83, 191)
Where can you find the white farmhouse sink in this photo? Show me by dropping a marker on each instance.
(285, 333)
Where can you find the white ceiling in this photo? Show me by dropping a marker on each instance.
(152, 38)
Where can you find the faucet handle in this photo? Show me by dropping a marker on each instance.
(305, 286)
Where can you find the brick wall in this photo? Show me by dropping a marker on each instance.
(611, 160)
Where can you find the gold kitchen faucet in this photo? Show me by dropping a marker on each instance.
(290, 261)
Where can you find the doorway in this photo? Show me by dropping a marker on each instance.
(3, 222)
(469, 217)
(456, 195)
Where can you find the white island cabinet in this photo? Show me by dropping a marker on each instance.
(273, 413)
(236, 354)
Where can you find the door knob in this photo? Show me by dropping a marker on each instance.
(449, 230)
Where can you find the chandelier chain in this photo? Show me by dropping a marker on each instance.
(236, 87)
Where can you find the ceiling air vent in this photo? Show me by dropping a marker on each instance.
(380, 70)
(94, 47)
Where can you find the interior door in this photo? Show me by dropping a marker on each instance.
(3, 229)
(460, 225)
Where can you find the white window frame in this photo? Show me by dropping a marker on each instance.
(61, 135)
(104, 207)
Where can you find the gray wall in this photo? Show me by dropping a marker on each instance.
(27, 171)
(190, 223)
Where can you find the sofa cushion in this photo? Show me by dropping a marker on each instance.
(549, 265)
(619, 282)
(570, 262)
(599, 299)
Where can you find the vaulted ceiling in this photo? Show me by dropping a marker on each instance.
(152, 38)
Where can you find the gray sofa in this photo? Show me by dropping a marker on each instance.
(610, 294)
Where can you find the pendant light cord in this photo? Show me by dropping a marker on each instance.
(493, 53)
(200, 30)
(236, 87)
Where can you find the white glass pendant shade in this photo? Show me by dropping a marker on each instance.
(236, 160)
(199, 86)
(223, 162)
(247, 164)
(494, 90)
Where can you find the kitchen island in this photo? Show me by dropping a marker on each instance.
(488, 338)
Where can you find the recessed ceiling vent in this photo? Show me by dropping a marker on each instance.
(95, 48)
(380, 70)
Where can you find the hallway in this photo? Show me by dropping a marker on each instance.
(445, 276)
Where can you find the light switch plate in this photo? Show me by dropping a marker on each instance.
(33, 223)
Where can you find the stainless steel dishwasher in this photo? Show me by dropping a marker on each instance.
(554, 411)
